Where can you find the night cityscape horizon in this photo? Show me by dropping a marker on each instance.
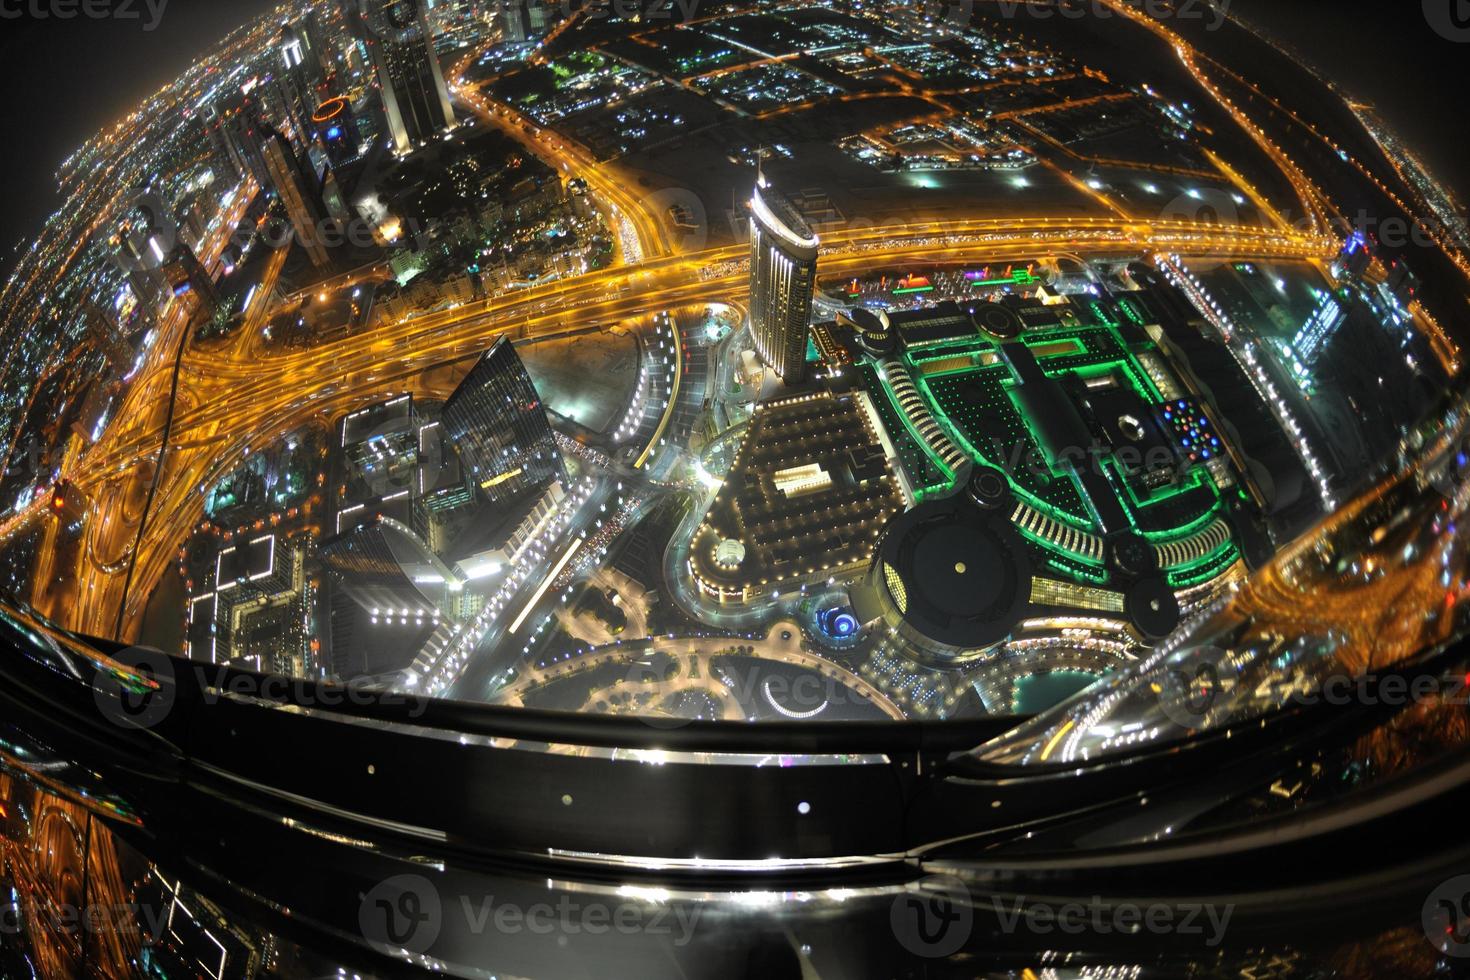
(640, 488)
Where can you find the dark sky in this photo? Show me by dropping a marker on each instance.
(64, 79)
(1386, 52)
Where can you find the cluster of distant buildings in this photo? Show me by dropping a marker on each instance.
(295, 126)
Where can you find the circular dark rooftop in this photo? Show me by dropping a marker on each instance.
(990, 489)
(963, 574)
(1152, 608)
(873, 332)
(1133, 555)
(953, 565)
(999, 321)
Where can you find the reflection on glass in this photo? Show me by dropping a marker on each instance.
(1379, 584)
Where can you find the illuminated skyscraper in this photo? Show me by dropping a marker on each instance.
(415, 97)
(296, 86)
(294, 51)
(515, 21)
(302, 47)
(498, 424)
(783, 272)
(297, 188)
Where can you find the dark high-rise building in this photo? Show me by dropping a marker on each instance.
(336, 128)
(144, 271)
(385, 588)
(498, 424)
(141, 245)
(233, 125)
(783, 272)
(297, 187)
(386, 569)
(106, 336)
(225, 158)
(415, 96)
(185, 273)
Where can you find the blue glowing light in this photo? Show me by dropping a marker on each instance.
(838, 622)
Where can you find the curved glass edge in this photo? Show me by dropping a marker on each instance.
(123, 911)
(1376, 585)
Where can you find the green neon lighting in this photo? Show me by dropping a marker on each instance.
(1018, 278)
(1217, 566)
(1076, 574)
(1102, 315)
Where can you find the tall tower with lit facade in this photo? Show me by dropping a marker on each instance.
(415, 96)
(783, 272)
(498, 424)
(298, 81)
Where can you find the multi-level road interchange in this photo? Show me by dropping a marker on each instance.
(230, 400)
